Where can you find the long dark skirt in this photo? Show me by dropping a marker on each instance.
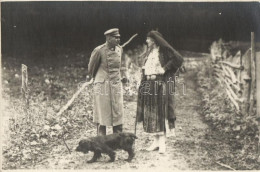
(155, 105)
(152, 102)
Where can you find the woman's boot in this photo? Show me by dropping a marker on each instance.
(155, 144)
(162, 145)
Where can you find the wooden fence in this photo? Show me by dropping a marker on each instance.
(237, 75)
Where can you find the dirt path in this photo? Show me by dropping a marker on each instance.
(187, 151)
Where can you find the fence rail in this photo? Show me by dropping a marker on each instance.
(237, 75)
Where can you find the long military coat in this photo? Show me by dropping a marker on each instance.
(104, 67)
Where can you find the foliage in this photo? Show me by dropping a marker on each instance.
(33, 132)
(240, 130)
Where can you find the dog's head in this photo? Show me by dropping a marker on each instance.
(84, 146)
(127, 139)
(130, 135)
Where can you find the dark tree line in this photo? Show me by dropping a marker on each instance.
(31, 26)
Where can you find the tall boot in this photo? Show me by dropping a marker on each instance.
(162, 145)
(118, 129)
(155, 144)
(101, 130)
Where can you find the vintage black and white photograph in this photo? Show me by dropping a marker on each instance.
(127, 85)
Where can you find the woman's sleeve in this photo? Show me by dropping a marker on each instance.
(94, 63)
(175, 60)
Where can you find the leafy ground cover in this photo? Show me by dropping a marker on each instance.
(237, 131)
(35, 138)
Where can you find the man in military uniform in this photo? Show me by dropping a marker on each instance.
(105, 69)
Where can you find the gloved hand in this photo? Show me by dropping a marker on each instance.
(88, 78)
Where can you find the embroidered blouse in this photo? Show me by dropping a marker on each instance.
(153, 65)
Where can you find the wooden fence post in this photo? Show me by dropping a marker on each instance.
(246, 81)
(25, 90)
(258, 96)
(253, 78)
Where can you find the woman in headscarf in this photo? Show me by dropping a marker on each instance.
(155, 106)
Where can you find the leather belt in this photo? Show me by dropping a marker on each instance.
(154, 77)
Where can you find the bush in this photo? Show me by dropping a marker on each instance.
(240, 130)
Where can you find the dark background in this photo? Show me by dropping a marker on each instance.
(43, 27)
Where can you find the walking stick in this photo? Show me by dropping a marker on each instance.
(135, 123)
(138, 99)
(74, 97)
(127, 42)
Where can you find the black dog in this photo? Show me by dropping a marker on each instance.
(107, 144)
